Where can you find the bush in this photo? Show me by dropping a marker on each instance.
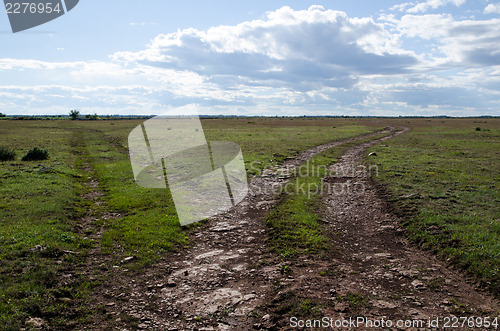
(36, 154)
(74, 114)
(3, 115)
(7, 154)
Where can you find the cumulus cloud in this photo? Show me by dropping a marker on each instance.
(303, 50)
(492, 8)
(465, 43)
(292, 62)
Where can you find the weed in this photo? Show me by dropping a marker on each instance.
(255, 313)
(459, 308)
(307, 308)
(356, 301)
(436, 284)
(285, 270)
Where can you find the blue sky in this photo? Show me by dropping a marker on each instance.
(422, 57)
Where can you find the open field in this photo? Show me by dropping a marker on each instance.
(67, 223)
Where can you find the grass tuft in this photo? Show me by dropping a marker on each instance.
(36, 154)
(7, 154)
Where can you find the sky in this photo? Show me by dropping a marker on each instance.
(268, 58)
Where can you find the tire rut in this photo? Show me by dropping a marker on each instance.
(374, 271)
(93, 265)
(226, 273)
(229, 280)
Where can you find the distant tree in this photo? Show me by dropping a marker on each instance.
(94, 117)
(87, 116)
(3, 115)
(74, 114)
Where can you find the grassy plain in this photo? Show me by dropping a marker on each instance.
(43, 202)
(443, 175)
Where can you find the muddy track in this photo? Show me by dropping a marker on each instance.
(92, 266)
(374, 271)
(220, 279)
(228, 280)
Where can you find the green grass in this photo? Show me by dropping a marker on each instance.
(268, 141)
(147, 210)
(40, 203)
(294, 222)
(295, 228)
(356, 301)
(148, 225)
(36, 208)
(445, 181)
(264, 141)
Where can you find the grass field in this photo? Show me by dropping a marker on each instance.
(42, 202)
(443, 175)
(444, 179)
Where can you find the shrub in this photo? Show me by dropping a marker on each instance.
(7, 154)
(3, 115)
(74, 114)
(35, 154)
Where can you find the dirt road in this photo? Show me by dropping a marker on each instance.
(228, 279)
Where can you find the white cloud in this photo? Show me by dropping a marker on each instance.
(465, 43)
(304, 50)
(492, 8)
(22, 64)
(422, 7)
(293, 62)
(402, 7)
(142, 23)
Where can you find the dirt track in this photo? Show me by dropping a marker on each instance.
(228, 279)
